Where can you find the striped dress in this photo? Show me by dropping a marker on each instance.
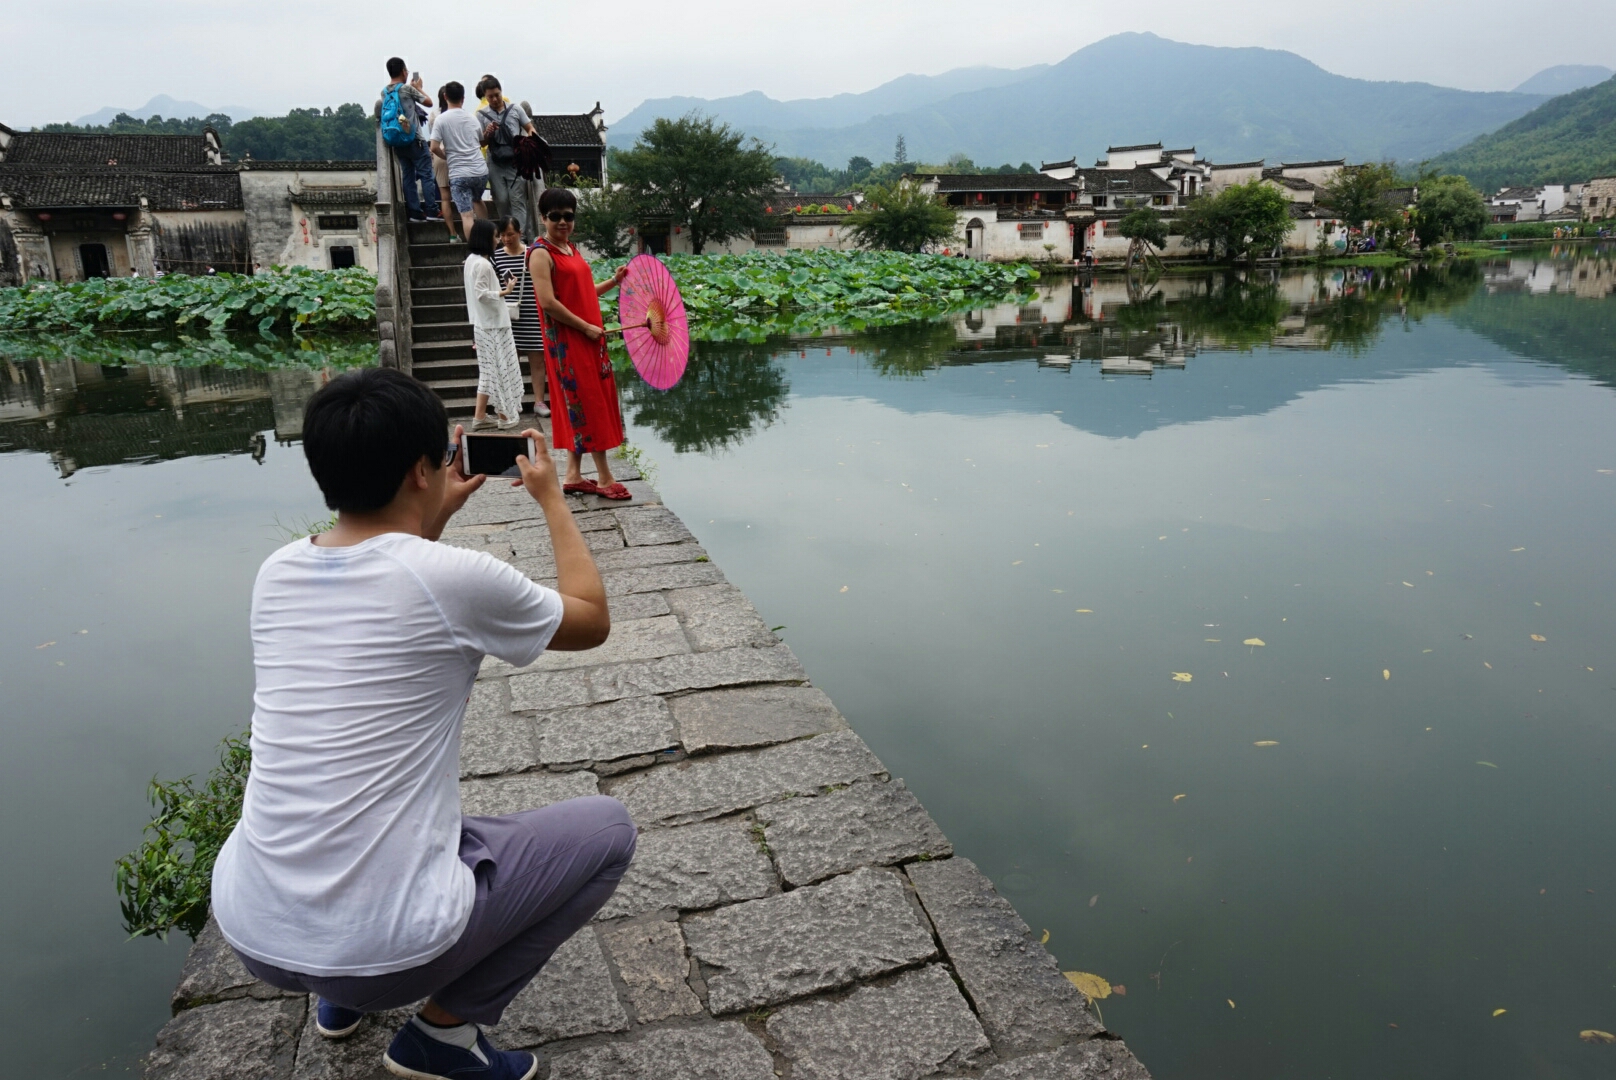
(527, 330)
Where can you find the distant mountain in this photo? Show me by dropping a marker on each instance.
(1570, 139)
(1564, 78)
(756, 110)
(166, 107)
(1231, 104)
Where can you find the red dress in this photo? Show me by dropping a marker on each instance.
(585, 416)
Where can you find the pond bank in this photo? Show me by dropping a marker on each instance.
(791, 909)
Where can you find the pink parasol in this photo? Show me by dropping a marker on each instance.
(655, 329)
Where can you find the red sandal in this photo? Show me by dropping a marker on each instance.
(614, 491)
(582, 487)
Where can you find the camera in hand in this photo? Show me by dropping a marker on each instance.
(495, 455)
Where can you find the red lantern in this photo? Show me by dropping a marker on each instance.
(43, 217)
(119, 216)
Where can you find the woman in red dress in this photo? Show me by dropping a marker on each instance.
(585, 415)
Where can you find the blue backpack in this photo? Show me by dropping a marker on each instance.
(397, 129)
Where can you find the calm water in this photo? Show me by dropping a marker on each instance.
(1392, 481)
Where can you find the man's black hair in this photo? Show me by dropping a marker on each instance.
(365, 430)
(454, 92)
(556, 198)
(395, 67)
(481, 240)
(488, 83)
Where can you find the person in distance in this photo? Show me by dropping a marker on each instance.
(352, 874)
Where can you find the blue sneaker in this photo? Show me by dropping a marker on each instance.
(335, 1022)
(418, 1056)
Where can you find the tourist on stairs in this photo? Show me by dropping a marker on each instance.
(457, 139)
(499, 372)
(352, 873)
(401, 130)
(510, 258)
(586, 416)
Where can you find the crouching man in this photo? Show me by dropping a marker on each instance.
(352, 874)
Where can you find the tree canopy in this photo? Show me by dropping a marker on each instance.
(1566, 140)
(345, 133)
(697, 174)
(1358, 193)
(1449, 209)
(1239, 222)
(901, 217)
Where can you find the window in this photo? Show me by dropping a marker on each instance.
(770, 237)
(1161, 200)
(338, 222)
(341, 257)
(1031, 230)
(1100, 200)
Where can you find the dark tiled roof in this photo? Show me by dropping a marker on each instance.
(1175, 153)
(1240, 165)
(57, 148)
(254, 165)
(41, 188)
(1292, 182)
(1311, 164)
(1069, 163)
(1141, 146)
(1517, 193)
(1139, 181)
(572, 129)
(951, 182)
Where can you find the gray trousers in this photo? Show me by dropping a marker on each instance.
(541, 876)
(510, 195)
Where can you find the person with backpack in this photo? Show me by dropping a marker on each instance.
(401, 130)
(503, 123)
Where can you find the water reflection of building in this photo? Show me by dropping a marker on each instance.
(85, 415)
(1560, 270)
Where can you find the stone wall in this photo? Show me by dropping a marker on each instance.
(10, 265)
(285, 203)
(190, 241)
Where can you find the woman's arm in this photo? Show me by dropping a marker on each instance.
(539, 265)
(485, 286)
(604, 287)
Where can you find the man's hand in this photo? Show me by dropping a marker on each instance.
(539, 477)
(458, 488)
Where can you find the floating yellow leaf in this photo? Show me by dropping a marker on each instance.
(1386, 673)
(1095, 899)
(1016, 563)
(1090, 986)
(1230, 1001)
(1513, 550)
(1214, 640)
(1539, 637)
(1045, 939)
(1266, 742)
(1489, 764)
(1410, 584)
(1178, 797)
(1182, 676)
(1254, 641)
(1085, 611)
(1486, 665)
(1161, 537)
(1500, 1012)
(843, 588)
(1594, 1035)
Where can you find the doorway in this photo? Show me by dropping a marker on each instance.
(1080, 235)
(93, 257)
(342, 257)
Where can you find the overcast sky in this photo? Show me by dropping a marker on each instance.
(71, 57)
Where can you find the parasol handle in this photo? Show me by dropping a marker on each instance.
(646, 325)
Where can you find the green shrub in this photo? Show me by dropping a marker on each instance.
(167, 882)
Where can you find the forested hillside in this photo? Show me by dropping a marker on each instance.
(345, 133)
(1563, 141)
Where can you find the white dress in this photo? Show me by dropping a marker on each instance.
(499, 371)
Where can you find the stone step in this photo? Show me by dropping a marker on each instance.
(442, 331)
(443, 350)
(444, 254)
(437, 313)
(438, 295)
(428, 232)
(434, 277)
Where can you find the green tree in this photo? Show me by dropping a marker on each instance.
(1239, 221)
(901, 217)
(1358, 193)
(604, 217)
(698, 174)
(1449, 209)
(900, 151)
(858, 166)
(1144, 229)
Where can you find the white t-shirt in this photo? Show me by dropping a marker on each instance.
(461, 135)
(345, 861)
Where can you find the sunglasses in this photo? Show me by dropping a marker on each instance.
(449, 454)
(560, 215)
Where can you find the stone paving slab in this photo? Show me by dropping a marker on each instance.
(493, 740)
(630, 558)
(617, 729)
(915, 1026)
(652, 525)
(680, 575)
(637, 639)
(696, 671)
(645, 605)
(693, 867)
(244, 1038)
(817, 938)
(651, 960)
(862, 825)
(544, 689)
(710, 786)
(719, 617)
(213, 972)
(1019, 992)
(529, 791)
(358, 1057)
(753, 716)
(572, 996)
(1096, 1059)
(722, 1051)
